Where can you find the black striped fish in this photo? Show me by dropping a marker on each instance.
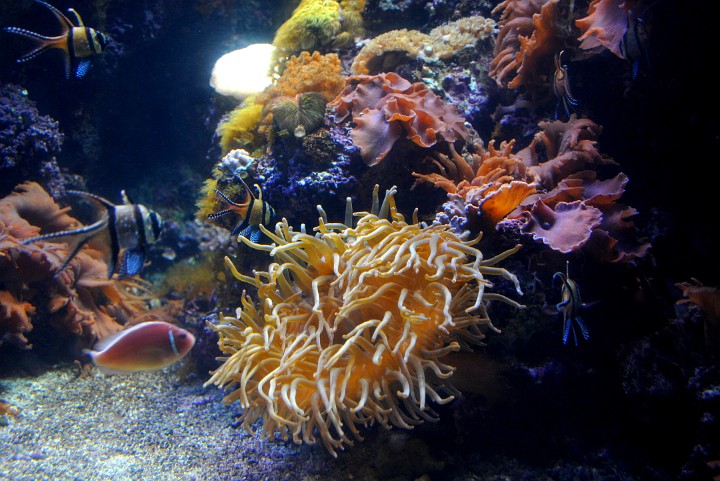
(253, 213)
(130, 228)
(570, 305)
(77, 42)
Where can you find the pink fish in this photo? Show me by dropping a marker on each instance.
(145, 347)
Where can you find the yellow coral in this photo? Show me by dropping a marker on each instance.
(384, 52)
(353, 326)
(240, 129)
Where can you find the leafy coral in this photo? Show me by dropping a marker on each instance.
(353, 326)
(387, 107)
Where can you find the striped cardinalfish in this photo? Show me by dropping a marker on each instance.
(569, 306)
(77, 42)
(253, 213)
(130, 229)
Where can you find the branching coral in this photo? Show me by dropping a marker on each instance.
(29, 142)
(353, 326)
(384, 52)
(80, 300)
(528, 36)
(387, 107)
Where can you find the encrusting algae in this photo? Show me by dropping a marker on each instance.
(353, 325)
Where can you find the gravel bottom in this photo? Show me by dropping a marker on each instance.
(166, 426)
(143, 426)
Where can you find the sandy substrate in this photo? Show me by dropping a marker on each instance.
(167, 426)
(145, 426)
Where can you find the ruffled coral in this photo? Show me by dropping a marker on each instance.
(492, 184)
(387, 107)
(605, 26)
(80, 300)
(353, 327)
(384, 52)
(552, 184)
(528, 36)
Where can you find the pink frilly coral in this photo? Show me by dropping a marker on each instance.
(549, 190)
(387, 107)
(604, 26)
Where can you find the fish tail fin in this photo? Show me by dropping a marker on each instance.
(87, 356)
(43, 43)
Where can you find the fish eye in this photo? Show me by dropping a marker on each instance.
(182, 335)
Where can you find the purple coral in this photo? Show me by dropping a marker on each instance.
(296, 177)
(29, 142)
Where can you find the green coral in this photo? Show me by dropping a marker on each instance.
(301, 115)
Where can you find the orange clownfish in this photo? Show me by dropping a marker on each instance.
(77, 42)
(145, 347)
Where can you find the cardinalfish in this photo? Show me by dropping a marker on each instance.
(145, 347)
(254, 212)
(570, 305)
(129, 229)
(634, 45)
(561, 88)
(77, 42)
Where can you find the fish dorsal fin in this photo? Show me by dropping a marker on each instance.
(109, 340)
(247, 189)
(126, 198)
(101, 200)
(76, 16)
(64, 21)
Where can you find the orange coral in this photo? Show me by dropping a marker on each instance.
(494, 182)
(308, 73)
(386, 107)
(550, 184)
(529, 35)
(79, 300)
(353, 326)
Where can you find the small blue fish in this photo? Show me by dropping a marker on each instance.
(570, 305)
(77, 42)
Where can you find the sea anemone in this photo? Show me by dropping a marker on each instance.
(353, 325)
